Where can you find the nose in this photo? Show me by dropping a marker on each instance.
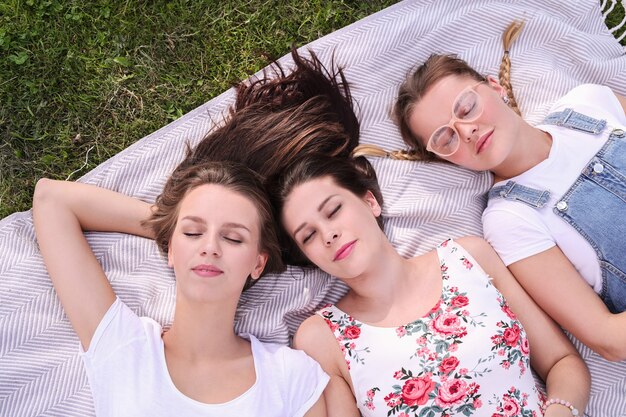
(210, 247)
(465, 130)
(331, 236)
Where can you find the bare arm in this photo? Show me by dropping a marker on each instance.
(61, 211)
(553, 357)
(554, 283)
(318, 409)
(315, 338)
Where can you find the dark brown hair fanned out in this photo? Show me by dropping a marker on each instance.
(280, 118)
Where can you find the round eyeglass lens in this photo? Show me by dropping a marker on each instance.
(445, 141)
(468, 106)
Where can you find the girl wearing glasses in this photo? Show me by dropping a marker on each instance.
(555, 213)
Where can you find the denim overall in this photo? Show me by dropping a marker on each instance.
(595, 205)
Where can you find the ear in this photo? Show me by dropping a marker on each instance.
(371, 201)
(260, 265)
(495, 85)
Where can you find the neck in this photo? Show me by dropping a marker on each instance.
(382, 282)
(203, 330)
(531, 147)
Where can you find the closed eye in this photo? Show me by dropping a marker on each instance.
(308, 237)
(335, 210)
(232, 240)
(192, 234)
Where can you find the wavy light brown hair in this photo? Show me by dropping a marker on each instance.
(435, 68)
(232, 176)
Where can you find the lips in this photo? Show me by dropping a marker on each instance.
(207, 271)
(344, 251)
(483, 142)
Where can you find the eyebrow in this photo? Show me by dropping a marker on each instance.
(319, 208)
(230, 225)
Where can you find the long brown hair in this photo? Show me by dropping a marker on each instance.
(233, 176)
(282, 117)
(353, 174)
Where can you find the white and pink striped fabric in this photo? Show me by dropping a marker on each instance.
(563, 44)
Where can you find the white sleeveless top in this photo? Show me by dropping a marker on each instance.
(469, 356)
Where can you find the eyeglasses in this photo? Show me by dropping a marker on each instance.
(467, 107)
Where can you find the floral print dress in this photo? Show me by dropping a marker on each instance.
(468, 356)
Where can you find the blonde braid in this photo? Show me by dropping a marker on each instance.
(374, 150)
(510, 35)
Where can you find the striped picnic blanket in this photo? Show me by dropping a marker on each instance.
(563, 44)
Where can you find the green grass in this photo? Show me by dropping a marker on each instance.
(614, 18)
(85, 79)
(99, 75)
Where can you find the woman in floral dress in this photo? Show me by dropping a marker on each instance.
(426, 336)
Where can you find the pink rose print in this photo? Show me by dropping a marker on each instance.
(451, 392)
(508, 312)
(398, 374)
(510, 407)
(448, 365)
(512, 404)
(525, 347)
(415, 390)
(393, 400)
(466, 263)
(448, 324)
(401, 331)
(352, 332)
(333, 326)
(369, 403)
(511, 335)
(477, 403)
(459, 301)
(435, 308)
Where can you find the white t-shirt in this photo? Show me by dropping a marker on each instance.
(516, 230)
(128, 375)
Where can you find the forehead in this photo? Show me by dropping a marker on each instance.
(435, 107)
(219, 203)
(307, 196)
(441, 94)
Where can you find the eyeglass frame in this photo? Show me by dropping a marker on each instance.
(455, 119)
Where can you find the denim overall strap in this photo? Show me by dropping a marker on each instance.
(538, 198)
(595, 205)
(574, 120)
(516, 192)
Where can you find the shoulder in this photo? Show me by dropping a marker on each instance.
(315, 337)
(311, 331)
(591, 99)
(482, 252)
(294, 373)
(475, 246)
(284, 357)
(585, 92)
(119, 326)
